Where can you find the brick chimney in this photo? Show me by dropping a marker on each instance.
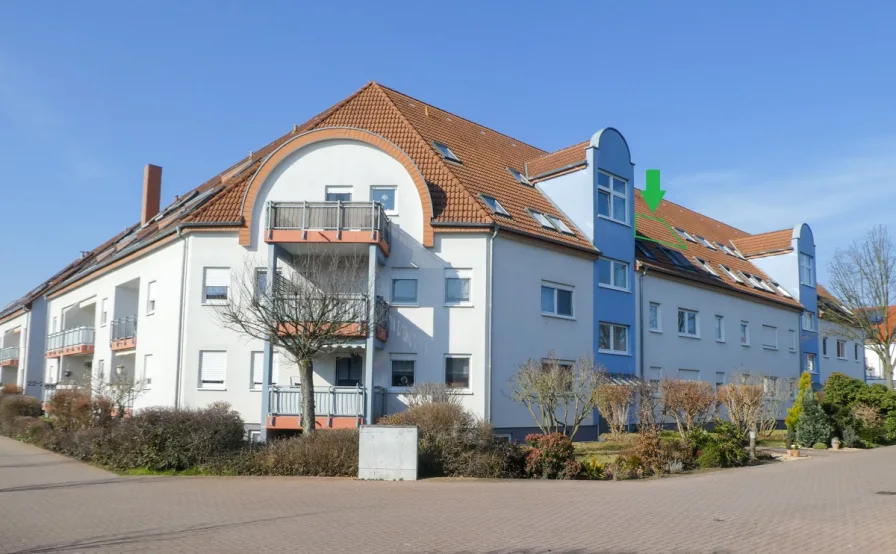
(152, 192)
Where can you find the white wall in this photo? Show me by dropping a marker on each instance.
(874, 362)
(783, 268)
(669, 351)
(520, 331)
(831, 363)
(13, 333)
(573, 193)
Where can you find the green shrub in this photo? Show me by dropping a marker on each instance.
(813, 425)
(592, 469)
(722, 452)
(878, 396)
(890, 427)
(850, 437)
(548, 457)
(841, 390)
(325, 453)
(17, 405)
(625, 467)
(820, 446)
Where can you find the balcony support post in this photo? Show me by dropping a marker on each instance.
(304, 220)
(338, 220)
(273, 252)
(371, 333)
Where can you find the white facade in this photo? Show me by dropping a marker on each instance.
(14, 350)
(699, 352)
(875, 367)
(838, 353)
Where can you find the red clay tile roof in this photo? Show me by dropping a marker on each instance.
(565, 158)
(765, 244)
(698, 225)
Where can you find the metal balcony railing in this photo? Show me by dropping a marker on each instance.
(70, 337)
(124, 328)
(330, 216)
(328, 401)
(337, 308)
(9, 353)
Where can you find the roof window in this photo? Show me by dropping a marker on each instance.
(446, 152)
(677, 258)
(644, 251)
(560, 225)
(734, 276)
(494, 205)
(684, 234)
(705, 242)
(541, 219)
(706, 267)
(521, 179)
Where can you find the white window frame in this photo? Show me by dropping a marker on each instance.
(212, 385)
(612, 284)
(609, 189)
(147, 381)
(497, 208)
(744, 331)
(394, 189)
(734, 276)
(793, 339)
(685, 235)
(256, 371)
(685, 333)
(214, 301)
(811, 365)
(542, 219)
(560, 225)
(720, 328)
(808, 321)
(150, 298)
(339, 189)
(807, 270)
(614, 328)
(520, 178)
(855, 351)
(689, 372)
(469, 359)
(556, 287)
(781, 289)
(459, 274)
(841, 347)
(706, 266)
(705, 243)
(774, 331)
(659, 317)
(445, 151)
(104, 312)
(402, 358)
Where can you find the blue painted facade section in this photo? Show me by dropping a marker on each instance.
(808, 297)
(609, 152)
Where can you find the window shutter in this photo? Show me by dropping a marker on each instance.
(257, 368)
(275, 370)
(212, 366)
(217, 277)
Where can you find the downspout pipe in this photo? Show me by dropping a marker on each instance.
(490, 288)
(641, 275)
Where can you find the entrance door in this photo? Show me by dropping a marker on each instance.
(348, 371)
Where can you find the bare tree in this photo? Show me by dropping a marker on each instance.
(432, 393)
(777, 393)
(614, 402)
(742, 399)
(863, 278)
(320, 300)
(690, 403)
(558, 395)
(651, 409)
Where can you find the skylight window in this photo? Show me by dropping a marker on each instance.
(764, 285)
(541, 219)
(738, 254)
(734, 276)
(782, 290)
(560, 225)
(494, 205)
(726, 250)
(446, 152)
(521, 179)
(705, 242)
(644, 251)
(684, 234)
(677, 258)
(706, 267)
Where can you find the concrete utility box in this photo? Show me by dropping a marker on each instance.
(388, 453)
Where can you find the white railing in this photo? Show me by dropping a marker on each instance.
(329, 216)
(328, 401)
(70, 337)
(9, 353)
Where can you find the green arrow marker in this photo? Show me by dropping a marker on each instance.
(653, 194)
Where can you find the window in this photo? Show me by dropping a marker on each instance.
(104, 312)
(217, 281)
(720, 328)
(644, 251)
(720, 379)
(769, 384)
(706, 267)
(457, 286)
(689, 374)
(541, 219)
(556, 300)
(745, 333)
(151, 298)
(457, 371)
(685, 235)
(855, 352)
(654, 377)
(807, 270)
(385, 196)
(613, 339)
(687, 323)
(212, 369)
(612, 197)
(737, 253)
(560, 225)
(494, 205)
(101, 370)
(348, 371)
(808, 319)
(781, 289)
(55, 324)
(653, 317)
(612, 274)
(338, 194)
(257, 369)
(261, 281)
(705, 242)
(769, 337)
(734, 276)
(792, 335)
(810, 363)
(677, 258)
(147, 371)
(841, 349)
(446, 152)
(404, 291)
(402, 373)
(824, 347)
(521, 179)
(725, 249)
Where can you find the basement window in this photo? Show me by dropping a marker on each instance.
(446, 152)
(494, 205)
(521, 179)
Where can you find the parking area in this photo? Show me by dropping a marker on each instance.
(829, 503)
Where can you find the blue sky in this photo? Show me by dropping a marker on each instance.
(758, 114)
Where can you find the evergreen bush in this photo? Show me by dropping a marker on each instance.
(812, 425)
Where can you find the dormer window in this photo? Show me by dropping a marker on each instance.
(494, 205)
(446, 152)
(521, 179)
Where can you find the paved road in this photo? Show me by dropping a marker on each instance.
(826, 504)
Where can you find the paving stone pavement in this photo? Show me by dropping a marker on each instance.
(49, 503)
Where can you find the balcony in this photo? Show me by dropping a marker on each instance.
(335, 407)
(356, 313)
(70, 342)
(9, 356)
(123, 335)
(329, 222)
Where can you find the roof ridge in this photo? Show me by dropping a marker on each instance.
(570, 147)
(714, 220)
(452, 114)
(431, 149)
